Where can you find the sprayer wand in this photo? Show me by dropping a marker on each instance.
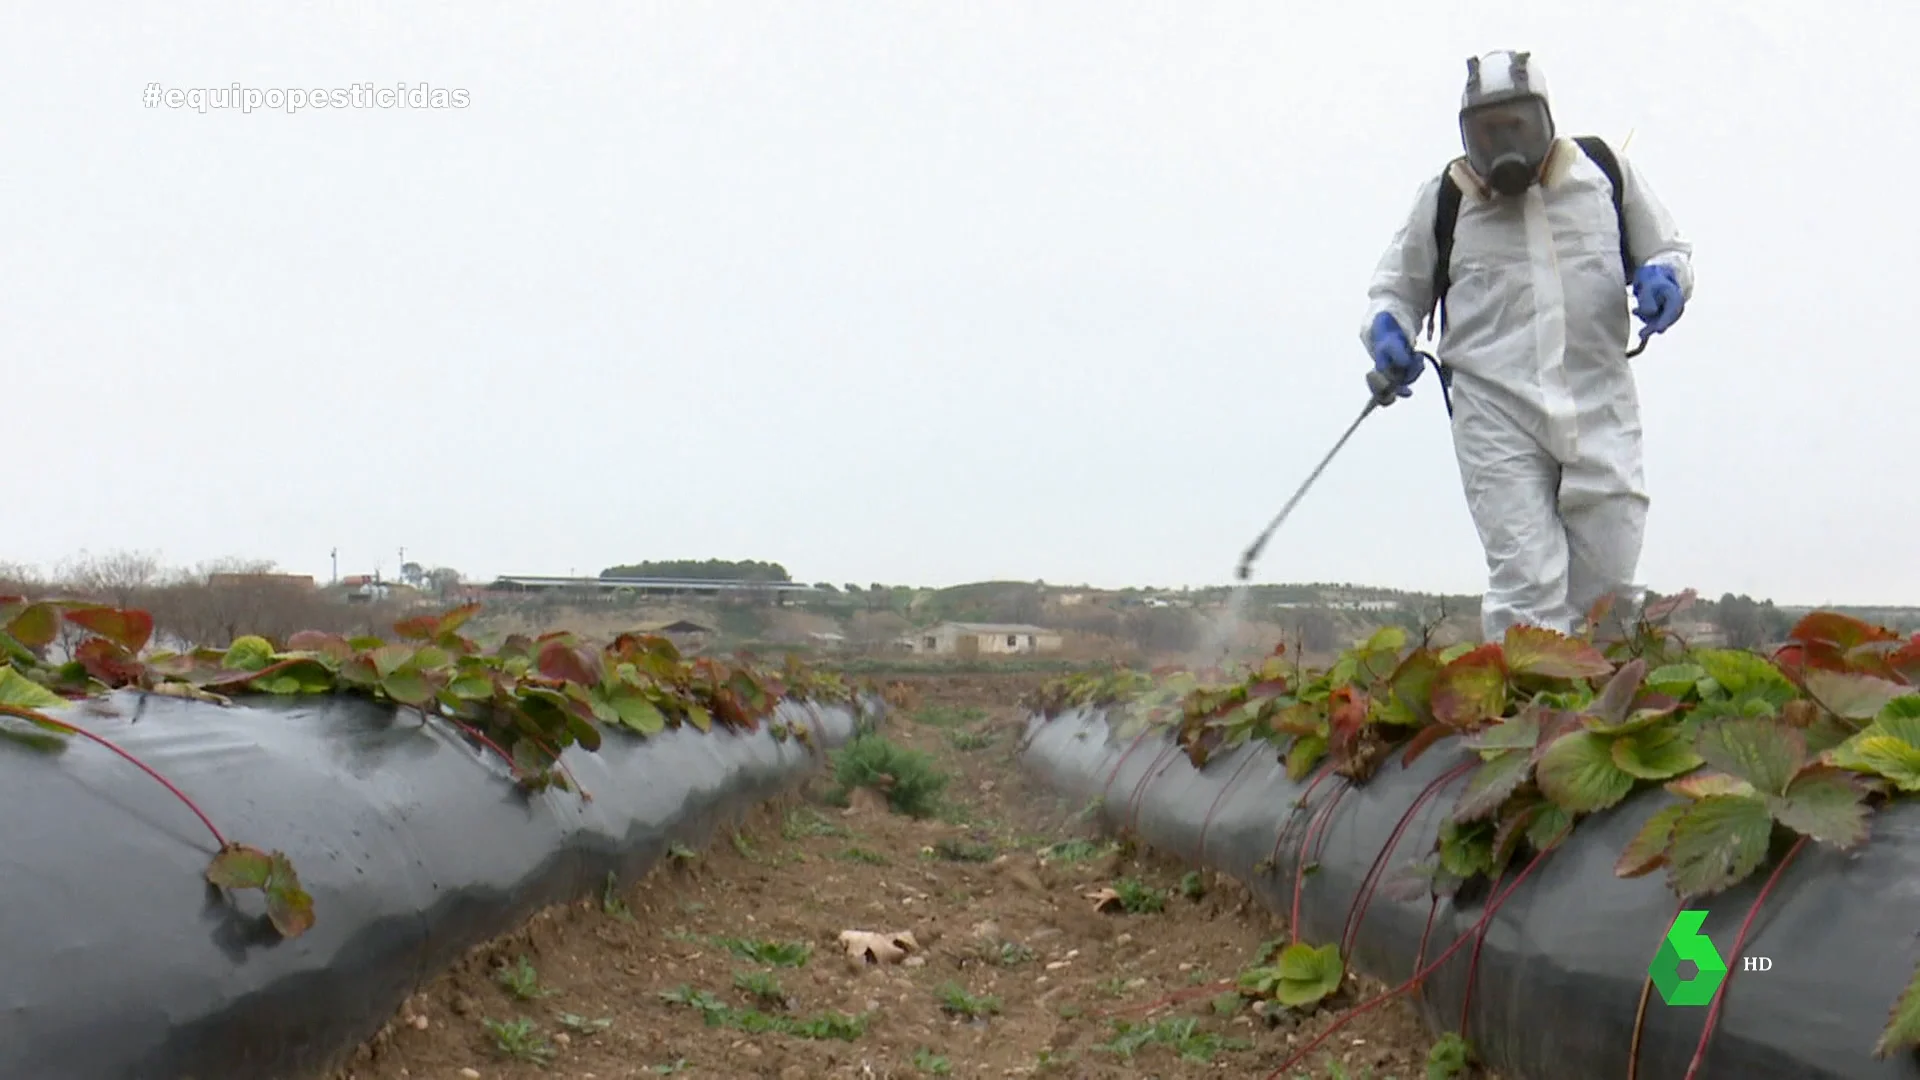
(1385, 391)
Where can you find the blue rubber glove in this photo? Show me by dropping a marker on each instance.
(1658, 293)
(1393, 353)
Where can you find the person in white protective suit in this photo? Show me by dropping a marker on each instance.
(1534, 325)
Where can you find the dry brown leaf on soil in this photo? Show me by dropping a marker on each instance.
(1104, 899)
(878, 948)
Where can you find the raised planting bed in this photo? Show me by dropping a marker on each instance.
(239, 862)
(1509, 832)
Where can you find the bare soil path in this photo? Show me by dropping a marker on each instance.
(728, 963)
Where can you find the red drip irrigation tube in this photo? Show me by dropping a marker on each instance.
(1314, 827)
(1493, 905)
(1207, 822)
(1107, 788)
(1356, 914)
(1739, 940)
(1135, 801)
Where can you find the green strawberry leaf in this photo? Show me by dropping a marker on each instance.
(1647, 851)
(1825, 805)
(1303, 754)
(249, 652)
(1676, 680)
(240, 867)
(1308, 974)
(1851, 695)
(21, 692)
(1578, 773)
(1490, 785)
(1655, 754)
(1903, 1026)
(1519, 732)
(1717, 843)
(1764, 753)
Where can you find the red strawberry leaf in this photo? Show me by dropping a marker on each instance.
(288, 905)
(1537, 651)
(1346, 715)
(109, 662)
(561, 661)
(240, 867)
(131, 630)
(1472, 690)
(1839, 633)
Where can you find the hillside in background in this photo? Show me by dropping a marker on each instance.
(208, 604)
(1133, 625)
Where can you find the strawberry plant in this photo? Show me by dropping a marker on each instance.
(1765, 753)
(526, 701)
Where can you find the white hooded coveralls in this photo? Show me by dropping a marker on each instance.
(1546, 419)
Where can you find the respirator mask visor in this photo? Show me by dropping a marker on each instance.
(1507, 142)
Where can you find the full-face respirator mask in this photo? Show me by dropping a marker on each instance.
(1506, 126)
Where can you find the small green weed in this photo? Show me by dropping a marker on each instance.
(521, 980)
(1139, 898)
(954, 850)
(610, 901)
(803, 823)
(583, 1026)
(969, 741)
(717, 1013)
(955, 999)
(1451, 1057)
(931, 1063)
(908, 779)
(860, 854)
(519, 1040)
(1006, 953)
(1076, 851)
(764, 987)
(1181, 1034)
(668, 1070)
(949, 716)
(1052, 1062)
(1193, 886)
(770, 953)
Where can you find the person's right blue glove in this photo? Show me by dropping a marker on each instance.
(1393, 354)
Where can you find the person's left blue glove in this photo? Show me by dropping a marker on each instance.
(1658, 293)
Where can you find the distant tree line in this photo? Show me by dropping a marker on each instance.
(1749, 624)
(209, 604)
(703, 569)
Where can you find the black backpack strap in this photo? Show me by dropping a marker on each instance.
(1445, 213)
(1602, 155)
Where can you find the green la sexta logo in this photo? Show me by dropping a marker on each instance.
(1686, 942)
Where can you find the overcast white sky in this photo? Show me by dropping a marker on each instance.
(909, 292)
